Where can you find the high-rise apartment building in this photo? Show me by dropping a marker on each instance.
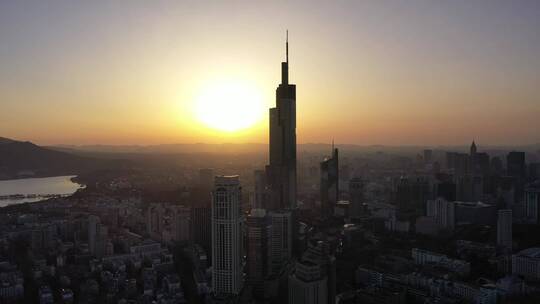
(201, 228)
(443, 212)
(258, 245)
(181, 223)
(280, 239)
(93, 222)
(227, 236)
(532, 202)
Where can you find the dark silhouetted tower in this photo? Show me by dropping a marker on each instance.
(281, 171)
(515, 164)
(201, 225)
(329, 182)
(258, 250)
(473, 148)
(515, 167)
(356, 194)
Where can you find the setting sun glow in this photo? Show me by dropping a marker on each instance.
(229, 106)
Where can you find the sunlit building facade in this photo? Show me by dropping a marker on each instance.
(227, 236)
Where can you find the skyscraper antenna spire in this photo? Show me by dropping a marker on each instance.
(287, 47)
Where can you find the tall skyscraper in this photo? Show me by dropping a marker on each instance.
(534, 171)
(97, 237)
(93, 222)
(515, 167)
(258, 262)
(227, 240)
(504, 228)
(329, 185)
(356, 194)
(473, 149)
(181, 223)
(201, 231)
(532, 202)
(472, 158)
(515, 164)
(281, 239)
(281, 171)
(154, 221)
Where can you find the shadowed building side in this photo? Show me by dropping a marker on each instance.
(329, 185)
(281, 171)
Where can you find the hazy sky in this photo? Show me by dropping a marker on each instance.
(367, 72)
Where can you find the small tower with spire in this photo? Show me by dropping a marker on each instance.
(473, 148)
(334, 150)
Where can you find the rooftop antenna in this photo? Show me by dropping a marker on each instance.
(285, 65)
(287, 46)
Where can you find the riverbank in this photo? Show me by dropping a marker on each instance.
(18, 191)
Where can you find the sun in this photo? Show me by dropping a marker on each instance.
(229, 106)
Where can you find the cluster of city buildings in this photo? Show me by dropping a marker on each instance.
(84, 250)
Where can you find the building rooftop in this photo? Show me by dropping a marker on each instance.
(257, 213)
(472, 204)
(533, 252)
(227, 179)
(534, 186)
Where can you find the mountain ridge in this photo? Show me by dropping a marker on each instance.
(20, 159)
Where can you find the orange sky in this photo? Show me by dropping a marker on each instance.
(374, 72)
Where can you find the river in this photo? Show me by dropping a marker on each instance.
(37, 188)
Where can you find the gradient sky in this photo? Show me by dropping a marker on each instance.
(367, 72)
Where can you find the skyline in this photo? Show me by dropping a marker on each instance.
(156, 152)
(372, 73)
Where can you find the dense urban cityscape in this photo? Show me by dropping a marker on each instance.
(140, 162)
(441, 227)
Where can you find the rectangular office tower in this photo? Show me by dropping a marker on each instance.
(329, 185)
(280, 239)
(504, 228)
(227, 242)
(258, 262)
(281, 171)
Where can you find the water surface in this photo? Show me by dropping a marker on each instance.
(37, 188)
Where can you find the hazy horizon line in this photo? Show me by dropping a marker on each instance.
(306, 143)
(142, 145)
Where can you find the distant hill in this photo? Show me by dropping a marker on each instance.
(24, 159)
(4, 140)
